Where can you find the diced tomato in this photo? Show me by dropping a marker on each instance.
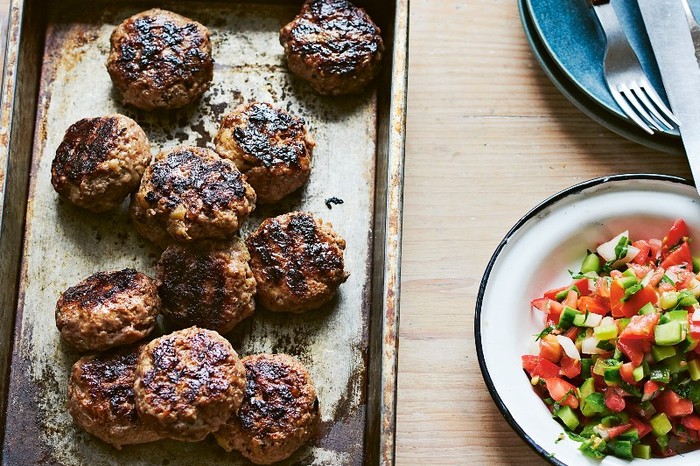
(680, 255)
(633, 349)
(602, 288)
(626, 371)
(642, 256)
(571, 299)
(639, 270)
(572, 333)
(614, 401)
(550, 348)
(655, 245)
(694, 327)
(562, 392)
(651, 389)
(643, 428)
(640, 327)
(675, 235)
(594, 304)
(633, 304)
(656, 276)
(617, 430)
(673, 405)
(581, 284)
(549, 306)
(691, 421)
(570, 368)
(539, 367)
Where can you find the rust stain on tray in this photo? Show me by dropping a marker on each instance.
(64, 244)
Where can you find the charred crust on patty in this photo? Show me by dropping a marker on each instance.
(101, 397)
(188, 383)
(270, 146)
(279, 413)
(100, 161)
(206, 283)
(334, 45)
(297, 262)
(108, 309)
(160, 59)
(191, 193)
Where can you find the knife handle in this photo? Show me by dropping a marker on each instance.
(592, 3)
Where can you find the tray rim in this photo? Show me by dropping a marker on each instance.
(393, 219)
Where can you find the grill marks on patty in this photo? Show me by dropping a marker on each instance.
(100, 287)
(87, 143)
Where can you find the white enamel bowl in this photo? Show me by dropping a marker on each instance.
(534, 257)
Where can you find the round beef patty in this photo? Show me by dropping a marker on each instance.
(207, 283)
(190, 193)
(100, 161)
(159, 59)
(188, 383)
(334, 46)
(101, 398)
(270, 146)
(108, 309)
(297, 262)
(279, 413)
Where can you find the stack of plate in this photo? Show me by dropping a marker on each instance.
(569, 45)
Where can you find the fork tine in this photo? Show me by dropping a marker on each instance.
(641, 111)
(622, 102)
(641, 93)
(651, 92)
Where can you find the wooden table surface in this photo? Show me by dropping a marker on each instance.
(489, 137)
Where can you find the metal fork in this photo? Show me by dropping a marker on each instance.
(625, 77)
(694, 27)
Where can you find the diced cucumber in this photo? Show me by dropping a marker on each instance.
(668, 300)
(593, 404)
(568, 417)
(648, 308)
(689, 344)
(566, 319)
(662, 352)
(605, 332)
(660, 424)
(668, 334)
(621, 449)
(686, 298)
(640, 372)
(694, 369)
(660, 375)
(623, 323)
(612, 376)
(587, 388)
(641, 451)
(591, 263)
(627, 281)
(615, 419)
(679, 315)
(696, 264)
(632, 435)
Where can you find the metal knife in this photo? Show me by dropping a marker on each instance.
(670, 38)
(694, 27)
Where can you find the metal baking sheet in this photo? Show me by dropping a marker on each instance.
(55, 74)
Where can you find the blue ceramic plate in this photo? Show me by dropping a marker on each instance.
(570, 32)
(584, 102)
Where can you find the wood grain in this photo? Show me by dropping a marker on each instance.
(489, 137)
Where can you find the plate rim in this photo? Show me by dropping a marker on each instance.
(548, 202)
(665, 142)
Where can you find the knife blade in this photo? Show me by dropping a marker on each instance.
(673, 47)
(694, 28)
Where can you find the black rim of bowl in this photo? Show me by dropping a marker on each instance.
(575, 189)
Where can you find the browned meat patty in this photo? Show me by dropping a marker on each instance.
(270, 146)
(108, 309)
(190, 193)
(279, 413)
(297, 262)
(188, 383)
(333, 45)
(160, 59)
(101, 398)
(207, 283)
(100, 161)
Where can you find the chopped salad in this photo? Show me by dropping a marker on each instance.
(618, 363)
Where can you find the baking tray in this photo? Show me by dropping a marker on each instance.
(54, 75)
